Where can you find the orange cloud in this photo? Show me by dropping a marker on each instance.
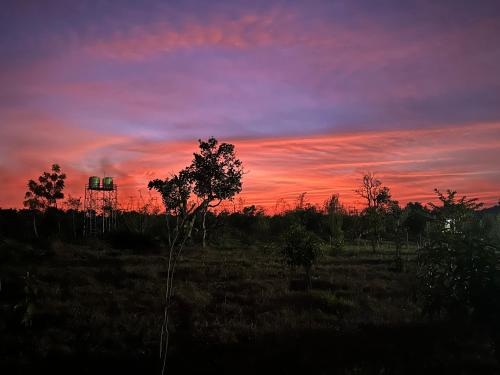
(411, 162)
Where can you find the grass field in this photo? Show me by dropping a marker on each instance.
(237, 309)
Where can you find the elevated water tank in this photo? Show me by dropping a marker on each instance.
(107, 183)
(94, 182)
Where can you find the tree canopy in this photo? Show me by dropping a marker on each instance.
(47, 190)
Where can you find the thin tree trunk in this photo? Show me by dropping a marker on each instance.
(172, 262)
(204, 227)
(168, 229)
(34, 225)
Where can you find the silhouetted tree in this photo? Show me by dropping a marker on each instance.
(378, 199)
(45, 192)
(216, 174)
(213, 176)
(371, 190)
(48, 189)
(175, 192)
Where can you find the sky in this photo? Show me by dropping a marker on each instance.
(312, 93)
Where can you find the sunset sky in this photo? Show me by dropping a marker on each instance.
(312, 94)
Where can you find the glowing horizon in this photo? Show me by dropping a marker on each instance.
(321, 165)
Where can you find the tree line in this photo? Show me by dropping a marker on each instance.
(215, 175)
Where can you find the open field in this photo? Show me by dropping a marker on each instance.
(236, 310)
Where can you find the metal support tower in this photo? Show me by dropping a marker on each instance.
(100, 208)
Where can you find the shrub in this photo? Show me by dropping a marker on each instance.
(457, 275)
(457, 266)
(301, 248)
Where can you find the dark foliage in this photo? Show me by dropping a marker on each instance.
(457, 266)
(301, 248)
(458, 276)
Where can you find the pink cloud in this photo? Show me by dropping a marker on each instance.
(411, 162)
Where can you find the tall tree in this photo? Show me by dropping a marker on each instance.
(213, 176)
(378, 201)
(48, 189)
(216, 174)
(369, 189)
(175, 192)
(45, 192)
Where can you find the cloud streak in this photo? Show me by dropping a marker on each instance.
(411, 162)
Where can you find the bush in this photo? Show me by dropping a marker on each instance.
(457, 275)
(457, 267)
(301, 248)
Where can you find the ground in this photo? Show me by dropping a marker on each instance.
(237, 309)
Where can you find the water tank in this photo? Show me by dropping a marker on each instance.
(94, 182)
(107, 183)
